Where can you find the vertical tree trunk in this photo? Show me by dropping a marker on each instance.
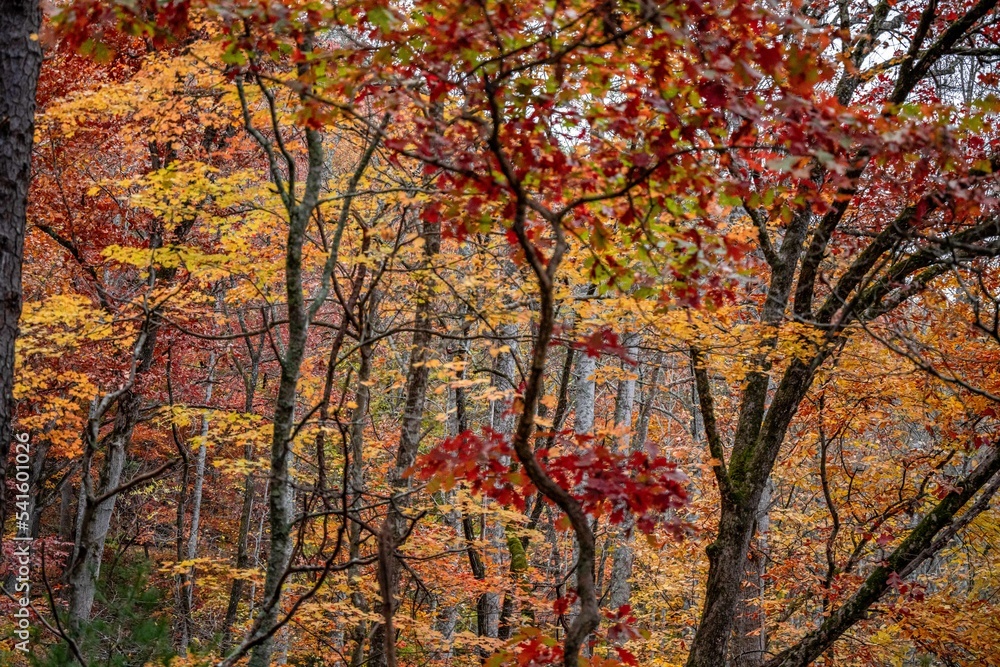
(584, 399)
(749, 639)
(250, 376)
(35, 471)
(187, 579)
(625, 396)
(458, 422)
(642, 425)
(355, 483)
(96, 517)
(489, 606)
(66, 510)
(623, 558)
(584, 394)
(20, 62)
(242, 558)
(417, 377)
(96, 507)
(281, 500)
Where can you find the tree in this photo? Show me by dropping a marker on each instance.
(445, 248)
(20, 62)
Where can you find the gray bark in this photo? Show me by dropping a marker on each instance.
(199, 468)
(489, 607)
(625, 396)
(281, 498)
(66, 511)
(187, 579)
(356, 483)
(646, 411)
(97, 506)
(96, 516)
(584, 394)
(623, 558)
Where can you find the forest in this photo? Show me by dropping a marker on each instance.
(501, 333)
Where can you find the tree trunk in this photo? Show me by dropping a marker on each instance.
(66, 510)
(417, 377)
(250, 376)
(96, 518)
(355, 483)
(20, 62)
(187, 579)
(281, 499)
(584, 394)
(584, 398)
(623, 558)
(749, 639)
(625, 396)
(489, 607)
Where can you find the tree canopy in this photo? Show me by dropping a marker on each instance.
(504, 333)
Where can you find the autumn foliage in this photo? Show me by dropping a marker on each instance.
(512, 333)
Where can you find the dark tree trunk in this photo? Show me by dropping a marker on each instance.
(20, 61)
(417, 377)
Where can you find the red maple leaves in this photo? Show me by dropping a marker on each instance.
(605, 483)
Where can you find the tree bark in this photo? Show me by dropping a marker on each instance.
(619, 589)
(489, 607)
(625, 396)
(96, 517)
(187, 578)
(749, 638)
(20, 63)
(281, 498)
(355, 481)
(584, 394)
(417, 377)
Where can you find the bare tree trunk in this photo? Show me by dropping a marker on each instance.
(489, 607)
(395, 525)
(96, 507)
(242, 559)
(584, 394)
(749, 638)
(20, 62)
(96, 515)
(458, 422)
(623, 558)
(642, 425)
(762, 425)
(625, 396)
(584, 398)
(355, 484)
(187, 578)
(281, 501)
